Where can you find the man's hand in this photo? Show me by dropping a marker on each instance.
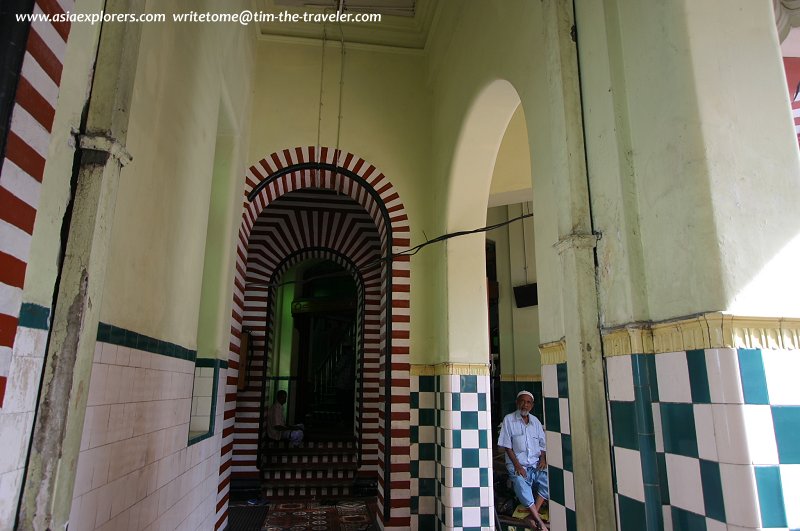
(520, 470)
(542, 462)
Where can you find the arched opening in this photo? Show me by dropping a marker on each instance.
(470, 181)
(311, 220)
(511, 275)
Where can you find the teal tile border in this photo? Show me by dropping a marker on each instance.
(34, 316)
(211, 362)
(126, 338)
(217, 365)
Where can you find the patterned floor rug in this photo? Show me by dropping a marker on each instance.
(315, 515)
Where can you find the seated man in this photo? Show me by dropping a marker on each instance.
(277, 429)
(523, 439)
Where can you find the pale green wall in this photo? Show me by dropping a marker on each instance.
(385, 120)
(225, 208)
(692, 158)
(76, 81)
(155, 268)
(476, 46)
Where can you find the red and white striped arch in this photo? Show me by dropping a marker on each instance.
(23, 166)
(303, 225)
(396, 231)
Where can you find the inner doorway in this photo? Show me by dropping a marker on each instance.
(324, 312)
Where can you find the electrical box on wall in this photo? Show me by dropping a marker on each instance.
(526, 295)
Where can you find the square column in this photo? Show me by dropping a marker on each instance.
(451, 448)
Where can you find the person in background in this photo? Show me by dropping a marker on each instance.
(277, 429)
(522, 437)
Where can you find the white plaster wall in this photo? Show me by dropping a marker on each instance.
(16, 417)
(135, 470)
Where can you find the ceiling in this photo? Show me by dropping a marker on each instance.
(404, 23)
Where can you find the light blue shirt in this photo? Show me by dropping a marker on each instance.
(526, 440)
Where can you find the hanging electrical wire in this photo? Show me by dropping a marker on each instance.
(411, 251)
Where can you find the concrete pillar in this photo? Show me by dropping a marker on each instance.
(693, 167)
(594, 507)
(50, 475)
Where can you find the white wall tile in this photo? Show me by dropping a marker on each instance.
(10, 483)
(558, 516)
(781, 368)
(628, 467)
(569, 490)
(740, 495)
(685, 485)
(109, 354)
(549, 381)
(15, 429)
(790, 479)
(563, 414)
(22, 389)
(704, 428)
(554, 451)
(97, 384)
(730, 432)
(724, 380)
(760, 433)
(657, 429)
(620, 378)
(672, 367)
(667, 512)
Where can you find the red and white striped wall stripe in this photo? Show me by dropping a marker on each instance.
(398, 220)
(23, 165)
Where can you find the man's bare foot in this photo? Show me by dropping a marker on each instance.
(535, 521)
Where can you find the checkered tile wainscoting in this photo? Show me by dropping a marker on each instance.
(706, 439)
(559, 447)
(451, 461)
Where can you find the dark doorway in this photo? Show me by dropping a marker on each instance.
(324, 313)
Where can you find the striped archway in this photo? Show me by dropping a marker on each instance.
(285, 234)
(352, 179)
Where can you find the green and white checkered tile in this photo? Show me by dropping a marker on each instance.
(451, 458)
(559, 447)
(703, 439)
